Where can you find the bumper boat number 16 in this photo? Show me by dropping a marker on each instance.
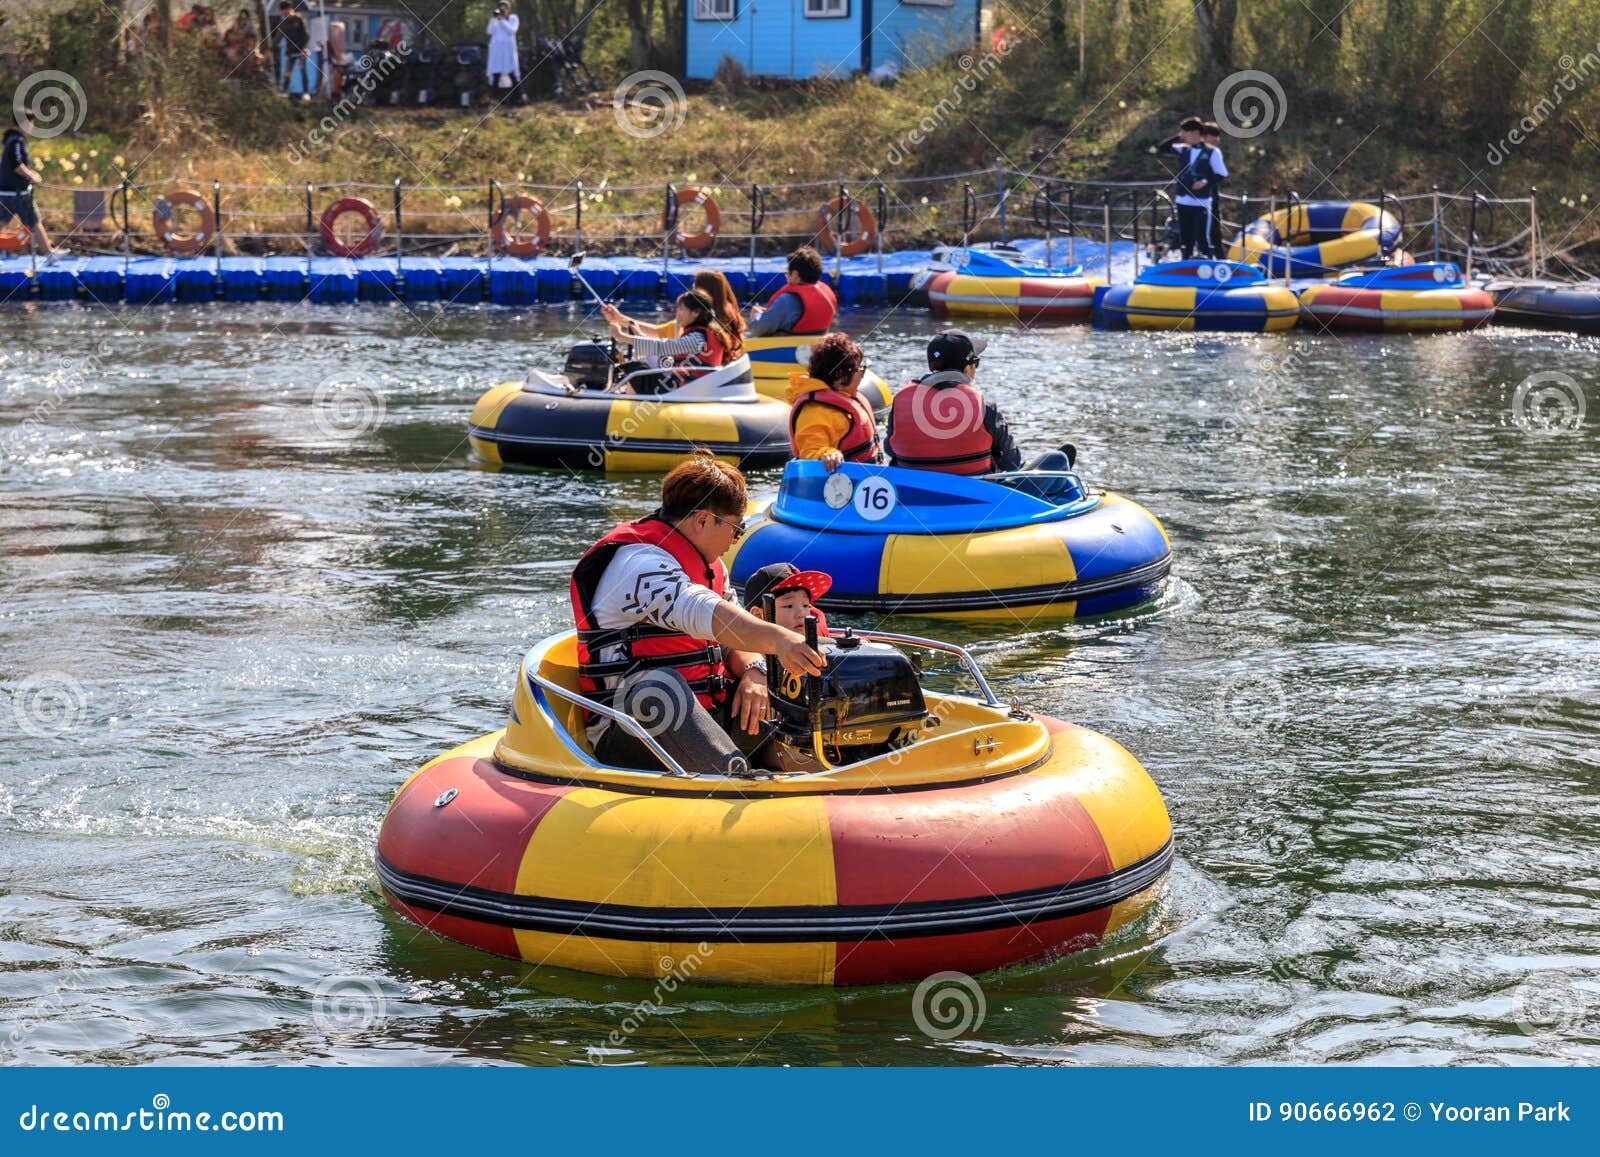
(874, 498)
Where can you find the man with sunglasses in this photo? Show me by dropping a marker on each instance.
(941, 421)
(661, 639)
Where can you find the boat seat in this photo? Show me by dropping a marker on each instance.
(560, 666)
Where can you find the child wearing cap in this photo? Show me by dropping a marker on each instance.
(793, 590)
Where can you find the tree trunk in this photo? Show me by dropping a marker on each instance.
(1214, 21)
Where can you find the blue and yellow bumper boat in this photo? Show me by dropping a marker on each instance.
(1318, 238)
(773, 359)
(922, 542)
(1199, 295)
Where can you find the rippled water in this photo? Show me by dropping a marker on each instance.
(233, 621)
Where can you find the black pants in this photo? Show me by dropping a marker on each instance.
(662, 703)
(1194, 230)
(1217, 248)
(18, 203)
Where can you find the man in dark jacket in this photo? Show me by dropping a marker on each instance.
(942, 422)
(296, 39)
(1191, 188)
(17, 179)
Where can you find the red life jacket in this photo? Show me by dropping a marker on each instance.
(817, 305)
(939, 428)
(860, 441)
(687, 367)
(645, 647)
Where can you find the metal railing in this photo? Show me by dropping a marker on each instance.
(672, 768)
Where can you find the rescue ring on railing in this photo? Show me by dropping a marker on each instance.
(520, 245)
(330, 217)
(708, 233)
(861, 238)
(184, 244)
(15, 240)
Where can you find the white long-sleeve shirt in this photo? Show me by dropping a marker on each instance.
(645, 584)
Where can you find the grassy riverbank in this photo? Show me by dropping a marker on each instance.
(943, 120)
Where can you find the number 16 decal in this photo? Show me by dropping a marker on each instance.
(875, 498)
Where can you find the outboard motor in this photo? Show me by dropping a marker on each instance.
(589, 365)
(867, 702)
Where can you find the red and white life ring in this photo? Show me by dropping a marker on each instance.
(521, 245)
(331, 215)
(860, 238)
(184, 244)
(708, 233)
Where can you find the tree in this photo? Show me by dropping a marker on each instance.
(1214, 21)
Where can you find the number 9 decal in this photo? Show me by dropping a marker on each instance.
(875, 498)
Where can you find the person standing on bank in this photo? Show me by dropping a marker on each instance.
(942, 422)
(504, 71)
(1191, 188)
(661, 638)
(805, 305)
(828, 419)
(1211, 136)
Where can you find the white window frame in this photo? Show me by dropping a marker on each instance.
(820, 10)
(716, 10)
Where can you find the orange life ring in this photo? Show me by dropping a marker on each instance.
(15, 240)
(330, 239)
(863, 236)
(713, 225)
(184, 244)
(1004, 39)
(513, 244)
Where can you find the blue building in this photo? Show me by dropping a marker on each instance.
(805, 39)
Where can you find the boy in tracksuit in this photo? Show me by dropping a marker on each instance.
(1211, 135)
(1191, 191)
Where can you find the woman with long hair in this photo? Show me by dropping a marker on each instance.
(702, 344)
(714, 284)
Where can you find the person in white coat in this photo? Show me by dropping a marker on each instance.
(504, 72)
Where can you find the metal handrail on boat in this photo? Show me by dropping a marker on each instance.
(671, 767)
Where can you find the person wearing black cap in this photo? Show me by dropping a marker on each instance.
(794, 592)
(1191, 188)
(942, 422)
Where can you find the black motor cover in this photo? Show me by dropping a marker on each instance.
(588, 365)
(867, 701)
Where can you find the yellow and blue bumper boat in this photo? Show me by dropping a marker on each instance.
(581, 419)
(921, 542)
(773, 359)
(1318, 238)
(1199, 295)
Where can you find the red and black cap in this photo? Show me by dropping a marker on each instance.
(777, 577)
